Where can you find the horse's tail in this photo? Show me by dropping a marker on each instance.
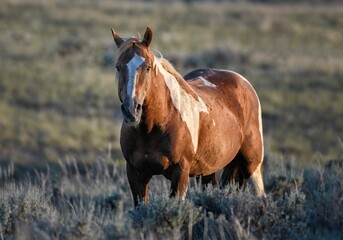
(234, 172)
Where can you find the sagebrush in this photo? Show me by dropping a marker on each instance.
(94, 202)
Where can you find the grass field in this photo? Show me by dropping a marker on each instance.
(58, 93)
(62, 173)
(93, 202)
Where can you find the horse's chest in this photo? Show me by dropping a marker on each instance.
(151, 149)
(147, 151)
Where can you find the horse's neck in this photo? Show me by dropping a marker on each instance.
(183, 100)
(158, 105)
(176, 85)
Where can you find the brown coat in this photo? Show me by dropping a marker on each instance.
(180, 127)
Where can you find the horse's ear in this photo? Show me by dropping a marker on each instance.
(147, 37)
(118, 40)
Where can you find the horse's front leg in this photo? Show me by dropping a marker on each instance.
(180, 179)
(138, 184)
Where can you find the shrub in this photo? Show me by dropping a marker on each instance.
(166, 218)
(324, 190)
(24, 203)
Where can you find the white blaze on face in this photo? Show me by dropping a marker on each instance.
(132, 67)
(186, 104)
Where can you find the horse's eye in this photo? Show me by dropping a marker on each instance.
(148, 69)
(118, 69)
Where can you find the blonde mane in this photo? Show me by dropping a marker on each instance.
(169, 67)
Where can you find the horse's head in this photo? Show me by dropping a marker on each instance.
(134, 64)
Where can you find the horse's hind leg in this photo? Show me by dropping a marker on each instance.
(256, 181)
(205, 180)
(246, 167)
(234, 173)
(252, 150)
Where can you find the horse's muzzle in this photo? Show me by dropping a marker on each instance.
(132, 113)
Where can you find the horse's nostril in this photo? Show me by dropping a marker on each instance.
(138, 107)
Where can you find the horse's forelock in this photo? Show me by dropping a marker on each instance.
(126, 45)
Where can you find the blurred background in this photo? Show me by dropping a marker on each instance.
(58, 94)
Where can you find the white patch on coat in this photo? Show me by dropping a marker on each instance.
(207, 83)
(186, 104)
(132, 66)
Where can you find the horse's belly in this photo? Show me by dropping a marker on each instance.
(212, 162)
(219, 142)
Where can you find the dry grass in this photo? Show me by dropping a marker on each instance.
(75, 201)
(57, 88)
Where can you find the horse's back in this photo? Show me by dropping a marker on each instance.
(228, 86)
(217, 79)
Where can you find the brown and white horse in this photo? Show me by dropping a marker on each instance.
(181, 127)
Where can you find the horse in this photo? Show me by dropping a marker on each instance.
(182, 127)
